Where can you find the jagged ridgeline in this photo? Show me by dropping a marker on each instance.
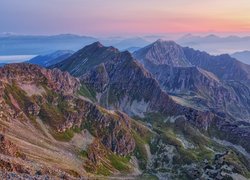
(105, 114)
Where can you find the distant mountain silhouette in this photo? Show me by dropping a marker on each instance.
(215, 44)
(243, 56)
(51, 59)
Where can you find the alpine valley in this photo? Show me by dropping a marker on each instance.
(163, 112)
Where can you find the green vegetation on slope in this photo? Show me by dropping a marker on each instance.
(142, 137)
(63, 136)
(168, 133)
(140, 150)
(118, 162)
(19, 96)
(103, 170)
(87, 92)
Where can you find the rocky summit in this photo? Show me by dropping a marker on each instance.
(163, 53)
(208, 83)
(164, 112)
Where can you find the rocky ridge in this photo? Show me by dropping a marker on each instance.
(208, 82)
(83, 130)
(46, 104)
(124, 84)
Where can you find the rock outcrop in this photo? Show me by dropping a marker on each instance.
(206, 83)
(54, 125)
(37, 103)
(163, 53)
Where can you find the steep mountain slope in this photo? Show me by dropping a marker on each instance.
(50, 129)
(88, 57)
(163, 52)
(54, 130)
(198, 87)
(51, 59)
(170, 53)
(224, 66)
(242, 56)
(119, 82)
(106, 61)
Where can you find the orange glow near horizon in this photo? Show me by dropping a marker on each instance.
(131, 16)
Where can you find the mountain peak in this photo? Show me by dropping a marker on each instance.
(211, 36)
(89, 57)
(162, 41)
(163, 52)
(96, 44)
(51, 59)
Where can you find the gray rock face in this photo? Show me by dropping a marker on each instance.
(224, 66)
(56, 111)
(34, 109)
(242, 56)
(237, 133)
(122, 83)
(178, 134)
(209, 83)
(55, 79)
(163, 53)
(89, 56)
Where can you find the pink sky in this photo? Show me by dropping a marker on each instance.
(109, 17)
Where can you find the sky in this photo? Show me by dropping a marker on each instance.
(127, 17)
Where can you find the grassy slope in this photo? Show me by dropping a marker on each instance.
(169, 133)
(56, 152)
(51, 151)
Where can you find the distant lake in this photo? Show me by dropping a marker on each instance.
(15, 58)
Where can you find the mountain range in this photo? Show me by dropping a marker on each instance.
(37, 44)
(163, 112)
(199, 78)
(14, 44)
(243, 56)
(215, 44)
(51, 59)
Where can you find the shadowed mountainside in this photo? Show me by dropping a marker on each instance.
(113, 119)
